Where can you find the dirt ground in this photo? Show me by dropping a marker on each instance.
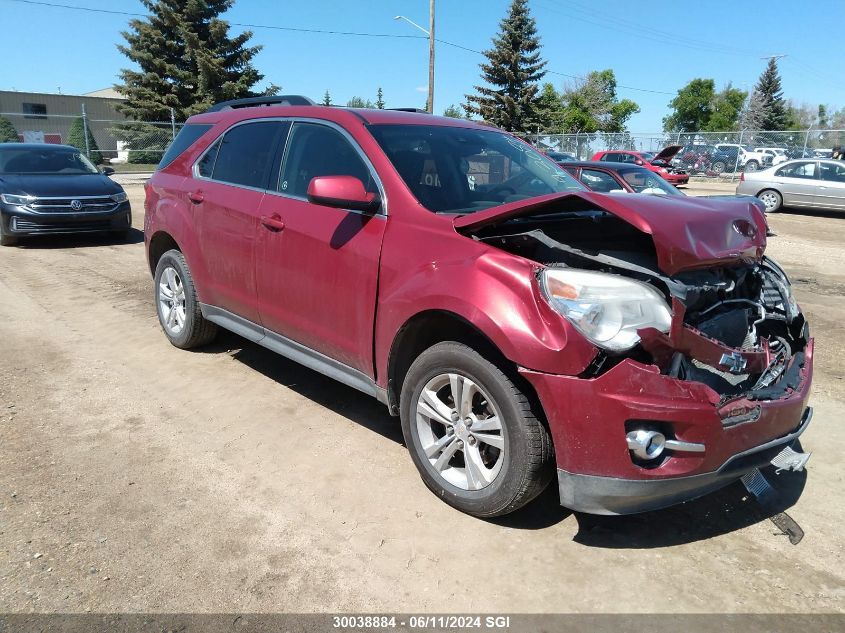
(135, 477)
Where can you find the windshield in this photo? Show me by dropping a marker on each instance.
(46, 160)
(464, 170)
(645, 181)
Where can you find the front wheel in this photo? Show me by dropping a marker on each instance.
(472, 433)
(5, 238)
(752, 166)
(772, 199)
(177, 305)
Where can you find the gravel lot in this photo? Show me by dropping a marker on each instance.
(135, 477)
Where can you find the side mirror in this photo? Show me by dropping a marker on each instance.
(107, 171)
(342, 192)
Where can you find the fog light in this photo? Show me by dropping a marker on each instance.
(646, 445)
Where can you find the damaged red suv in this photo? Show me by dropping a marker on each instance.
(641, 351)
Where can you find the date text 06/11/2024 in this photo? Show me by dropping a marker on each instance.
(421, 622)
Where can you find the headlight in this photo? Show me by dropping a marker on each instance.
(607, 309)
(120, 197)
(18, 201)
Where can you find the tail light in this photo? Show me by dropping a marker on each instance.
(742, 176)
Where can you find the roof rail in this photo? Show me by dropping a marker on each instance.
(408, 110)
(252, 102)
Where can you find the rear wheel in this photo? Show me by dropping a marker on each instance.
(719, 167)
(177, 305)
(471, 432)
(772, 199)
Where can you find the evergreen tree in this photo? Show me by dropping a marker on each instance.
(773, 107)
(76, 138)
(453, 112)
(380, 99)
(823, 122)
(550, 110)
(512, 73)
(327, 99)
(8, 133)
(187, 60)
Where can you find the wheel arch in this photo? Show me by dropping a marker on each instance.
(160, 243)
(433, 326)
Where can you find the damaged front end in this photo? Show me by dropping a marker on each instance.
(716, 360)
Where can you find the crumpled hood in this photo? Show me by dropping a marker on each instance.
(688, 233)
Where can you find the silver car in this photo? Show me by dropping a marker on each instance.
(805, 183)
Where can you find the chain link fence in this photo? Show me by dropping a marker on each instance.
(707, 154)
(104, 141)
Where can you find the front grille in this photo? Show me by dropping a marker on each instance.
(30, 226)
(89, 204)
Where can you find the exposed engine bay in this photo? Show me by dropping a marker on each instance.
(735, 325)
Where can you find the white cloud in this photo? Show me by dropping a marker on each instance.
(421, 88)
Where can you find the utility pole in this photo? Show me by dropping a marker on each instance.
(430, 34)
(431, 56)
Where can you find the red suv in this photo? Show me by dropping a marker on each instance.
(521, 326)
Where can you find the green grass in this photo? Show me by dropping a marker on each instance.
(129, 168)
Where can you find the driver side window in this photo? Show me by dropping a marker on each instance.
(318, 150)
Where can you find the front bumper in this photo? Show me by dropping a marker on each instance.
(677, 179)
(608, 495)
(22, 222)
(589, 418)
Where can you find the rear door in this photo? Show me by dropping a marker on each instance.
(831, 191)
(317, 267)
(798, 183)
(230, 180)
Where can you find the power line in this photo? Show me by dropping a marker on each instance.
(58, 5)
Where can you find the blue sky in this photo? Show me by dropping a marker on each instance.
(655, 47)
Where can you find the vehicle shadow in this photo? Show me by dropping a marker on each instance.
(721, 512)
(815, 213)
(327, 392)
(80, 240)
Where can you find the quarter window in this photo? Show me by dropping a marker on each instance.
(318, 150)
(244, 156)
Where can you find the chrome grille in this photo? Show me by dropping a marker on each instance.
(89, 204)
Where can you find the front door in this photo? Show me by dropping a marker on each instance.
(227, 193)
(831, 191)
(316, 266)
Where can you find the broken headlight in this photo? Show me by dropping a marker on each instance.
(607, 309)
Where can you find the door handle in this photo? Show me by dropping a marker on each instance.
(273, 222)
(196, 197)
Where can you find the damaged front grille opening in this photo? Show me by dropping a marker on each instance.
(735, 328)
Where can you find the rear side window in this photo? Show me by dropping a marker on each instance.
(798, 170)
(245, 153)
(600, 181)
(186, 137)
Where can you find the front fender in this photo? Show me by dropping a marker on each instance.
(495, 292)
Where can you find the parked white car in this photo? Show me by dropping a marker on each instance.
(749, 159)
(778, 154)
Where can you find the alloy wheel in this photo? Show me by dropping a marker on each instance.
(460, 431)
(171, 301)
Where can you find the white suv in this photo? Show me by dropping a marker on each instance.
(778, 154)
(749, 160)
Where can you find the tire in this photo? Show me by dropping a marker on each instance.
(514, 463)
(5, 238)
(176, 303)
(772, 199)
(719, 167)
(751, 166)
